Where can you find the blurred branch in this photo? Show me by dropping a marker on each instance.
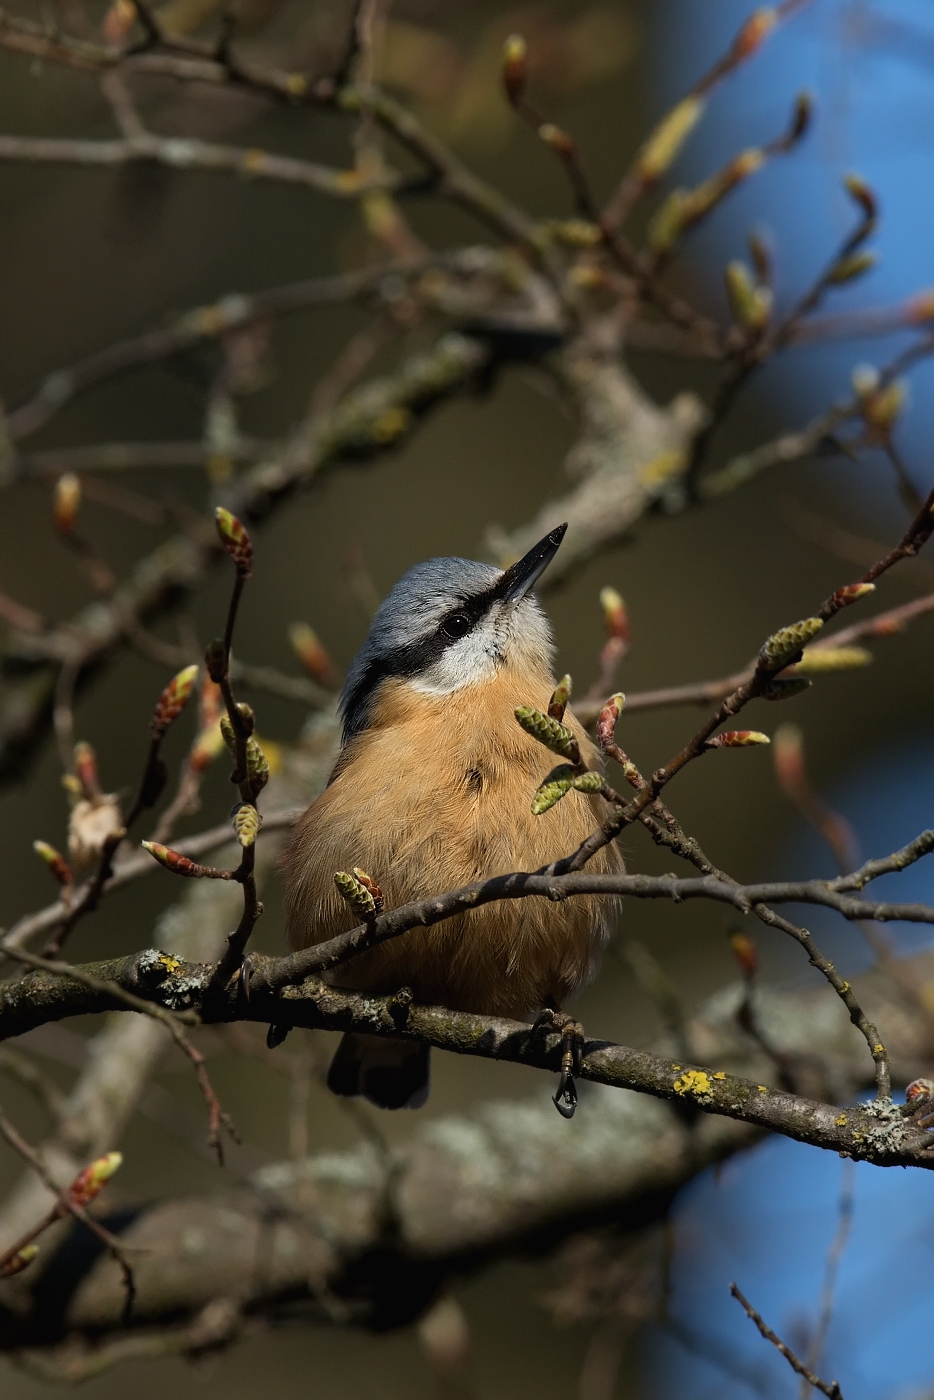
(320, 1227)
(188, 153)
(377, 416)
(884, 624)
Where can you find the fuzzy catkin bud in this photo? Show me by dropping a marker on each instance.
(235, 540)
(851, 266)
(563, 780)
(785, 644)
(356, 894)
(246, 824)
(172, 701)
(785, 688)
(667, 139)
(552, 790)
(548, 731)
(820, 660)
(750, 304)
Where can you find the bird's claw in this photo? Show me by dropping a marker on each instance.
(572, 1056)
(244, 977)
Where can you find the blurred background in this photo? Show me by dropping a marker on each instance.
(91, 256)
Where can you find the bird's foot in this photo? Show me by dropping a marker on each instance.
(572, 1055)
(275, 1035)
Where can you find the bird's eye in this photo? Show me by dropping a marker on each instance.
(458, 625)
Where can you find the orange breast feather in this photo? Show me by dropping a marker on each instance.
(434, 794)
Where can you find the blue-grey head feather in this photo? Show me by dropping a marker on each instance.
(404, 636)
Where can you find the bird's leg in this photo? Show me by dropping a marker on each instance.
(572, 1054)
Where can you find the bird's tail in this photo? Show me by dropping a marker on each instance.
(390, 1073)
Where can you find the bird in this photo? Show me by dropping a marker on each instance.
(431, 790)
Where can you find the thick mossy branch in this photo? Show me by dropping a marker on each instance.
(879, 1134)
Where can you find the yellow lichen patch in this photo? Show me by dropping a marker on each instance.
(209, 320)
(348, 181)
(693, 1081)
(662, 468)
(296, 84)
(762, 1088)
(841, 1121)
(169, 963)
(720, 1074)
(391, 424)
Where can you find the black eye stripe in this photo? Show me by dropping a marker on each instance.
(410, 660)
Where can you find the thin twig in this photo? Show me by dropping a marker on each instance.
(829, 1388)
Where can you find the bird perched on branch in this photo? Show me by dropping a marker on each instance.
(432, 790)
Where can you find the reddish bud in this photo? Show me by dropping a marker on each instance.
(752, 34)
(86, 769)
(615, 617)
(19, 1262)
(850, 593)
(66, 502)
(93, 1179)
(56, 863)
(737, 739)
(312, 654)
(515, 66)
(172, 701)
(172, 860)
(118, 21)
(235, 540)
(559, 698)
(208, 745)
(745, 952)
(557, 139)
(788, 758)
(606, 723)
(920, 307)
(371, 887)
(919, 1089)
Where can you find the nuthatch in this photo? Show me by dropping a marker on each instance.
(432, 790)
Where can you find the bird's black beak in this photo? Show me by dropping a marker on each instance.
(521, 577)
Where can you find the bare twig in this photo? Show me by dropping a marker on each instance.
(829, 1388)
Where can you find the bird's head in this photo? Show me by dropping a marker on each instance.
(450, 623)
